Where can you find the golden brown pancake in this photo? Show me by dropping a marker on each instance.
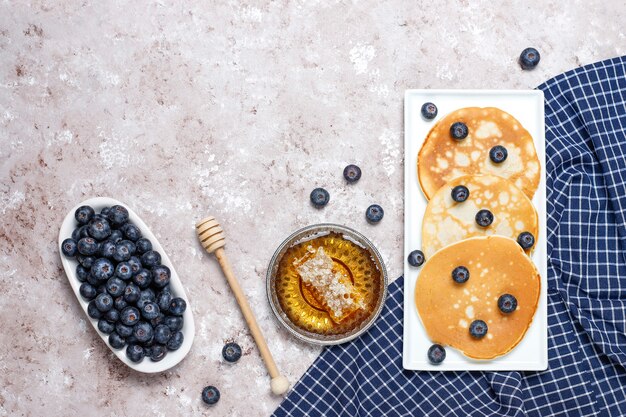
(497, 266)
(446, 221)
(443, 158)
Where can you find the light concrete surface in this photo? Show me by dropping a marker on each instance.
(184, 109)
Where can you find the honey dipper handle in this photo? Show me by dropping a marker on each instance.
(279, 383)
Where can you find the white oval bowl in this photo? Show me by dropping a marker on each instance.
(69, 264)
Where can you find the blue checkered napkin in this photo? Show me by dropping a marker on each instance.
(586, 167)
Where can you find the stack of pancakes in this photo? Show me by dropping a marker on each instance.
(451, 236)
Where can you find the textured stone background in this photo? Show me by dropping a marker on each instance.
(236, 110)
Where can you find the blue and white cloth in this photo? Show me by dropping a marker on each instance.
(586, 169)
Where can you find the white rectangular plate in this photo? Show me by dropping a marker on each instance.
(527, 107)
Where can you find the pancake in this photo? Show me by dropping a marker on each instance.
(446, 221)
(497, 265)
(442, 158)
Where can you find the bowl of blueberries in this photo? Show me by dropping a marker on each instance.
(126, 284)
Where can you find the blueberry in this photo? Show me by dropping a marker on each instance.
(93, 280)
(131, 293)
(123, 330)
(177, 306)
(124, 271)
(150, 259)
(460, 274)
(143, 331)
(157, 320)
(98, 217)
(429, 111)
(102, 269)
(416, 258)
(92, 310)
(374, 213)
(478, 329)
(86, 261)
(117, 215)
(105, 211)
(122, 252)
(507, 303)
(87, 246)
(498, 154)
(175, 341)
(319, 197)
(131, 232)
(83, 214)
(99, 229)
(81, 273)
(484, 218)
(160, 276)
(174, 323)
(529, 58)
(150, 310)
(352, 173)
(112, 315)
(87, 291)
(458, 130)
(143, 245)
(107, 249)
(105, 326)
(104, 302)
(116, 236)
(526, 240)
(147, 295)
(460, 193)
(231, 352)
(135, 264)
(157, 352)
(163, 300)
(135, 353)
(162, 334)
(69, 248)
(140, 303)
(129, 316)
(210, 395)
(436, 354)
(116, 341)
(148, 343)
(115, 287)
(79, 233)
(119, 303)
(101, 289)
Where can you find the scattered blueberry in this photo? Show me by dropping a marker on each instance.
(81, 273)
(131, 293)
(319, 197)
(352, 173)
(93, 311)
(177, 306)
(150, 259)
(458, 130)
(374, 213)
(460, 193)
(116, 236)
(99, 229)
(478, 329)
(87, 246)
(507, 303)
(175, 341)
(526, 240)
(83, 214)
(115, 287)
(231, 352)
(123, 330)
(104, 302)
(87, 291)
(210, 395)
(116, 341)
(105, 326)
(102, 269)
(150, 310)
(529, 58)
(69, 248)
(498, 154)
(429, 111)
(129, 316)
(436, 354)
(416, 258)
(131, 232)
(135, 353)
(484, 218)
(460, 274)
(143, 331)
(124, 271)
(143, 245)
(162, 334)
(112, 315)
(117, 215)
(157, 352)
(122, 252)
(160, 276)
(174, 323)
(107, 249)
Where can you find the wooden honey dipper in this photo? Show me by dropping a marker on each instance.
(213, 240)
